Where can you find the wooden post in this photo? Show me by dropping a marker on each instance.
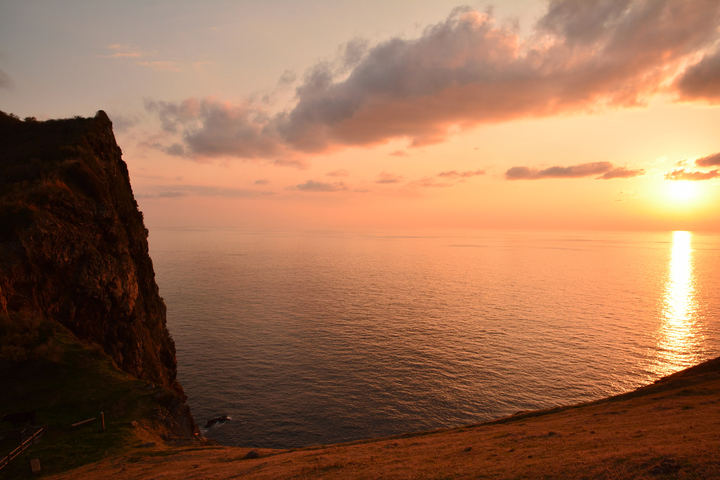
(83, 422)
(102, 417)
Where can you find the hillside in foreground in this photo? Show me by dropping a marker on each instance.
(66, 381)
(670, 429)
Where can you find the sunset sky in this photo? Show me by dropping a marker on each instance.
(396, 113)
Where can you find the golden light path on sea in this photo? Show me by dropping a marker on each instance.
(679, 341)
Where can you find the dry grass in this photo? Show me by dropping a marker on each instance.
(667, 430)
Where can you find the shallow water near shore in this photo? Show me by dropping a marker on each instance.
(324, 337)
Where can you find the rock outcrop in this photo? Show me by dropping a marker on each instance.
(73, 245)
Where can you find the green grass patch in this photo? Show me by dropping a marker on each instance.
(76, 383)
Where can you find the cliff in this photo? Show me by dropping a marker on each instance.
(74, 250)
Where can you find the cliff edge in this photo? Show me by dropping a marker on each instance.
(74, 250)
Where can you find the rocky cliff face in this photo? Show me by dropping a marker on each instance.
(73, 246)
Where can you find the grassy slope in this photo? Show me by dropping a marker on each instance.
(79, 384)
(675, 421)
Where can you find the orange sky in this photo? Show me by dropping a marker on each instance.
(310, 114)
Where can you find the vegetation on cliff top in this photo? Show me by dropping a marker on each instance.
(44, 367)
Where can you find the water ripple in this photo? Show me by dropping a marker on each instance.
(327, 337)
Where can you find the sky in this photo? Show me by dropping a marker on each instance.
(411, 114)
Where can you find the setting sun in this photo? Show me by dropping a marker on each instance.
(683, 190)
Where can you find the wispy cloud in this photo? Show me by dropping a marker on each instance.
(387, 177)
(682, 174)
(606, 170)
(466, 174)
(127, 51)
(314, 186)
(132, 52)
(287, 78)
(470, 70)
(621, 172)
(201, 64)
(338, 173)
(428, 182)
(5, 80)
(175, 191)
(450, 179)
(122, 123)
(398, 153)
(291, 162)
(163, 66)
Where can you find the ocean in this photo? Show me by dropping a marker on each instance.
(323, 337)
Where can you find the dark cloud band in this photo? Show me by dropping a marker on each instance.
(605, 170)
(469, 70)
(709, 161)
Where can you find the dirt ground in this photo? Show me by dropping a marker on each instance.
(670, 429)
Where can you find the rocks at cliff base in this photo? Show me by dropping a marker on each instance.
(251, 454)
(218, 419)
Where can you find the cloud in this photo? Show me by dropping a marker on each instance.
(287, 78)
(466, 174)
(122, 123)
(702, 80)
(398, 153)
(175, 150)
(621, 172)
(386, 177)
(313, 186)
(163, 66)
(450, 175)
(213, 129)
(709, 161)
(469, 70)
(175, 191)
(177, 178)
(338, 173)
(681, 174)
(126, 51)
(606, 170)
(428, 182)
(262, 181)
(290, 162)
(5, 80)
(201, 64)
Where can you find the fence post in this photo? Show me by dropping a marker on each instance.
(102, 417)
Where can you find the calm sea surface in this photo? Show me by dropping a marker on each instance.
(325, 337)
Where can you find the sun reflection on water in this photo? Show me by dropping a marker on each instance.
(679, 342)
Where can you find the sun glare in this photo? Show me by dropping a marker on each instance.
(683, 190)
(679, 342)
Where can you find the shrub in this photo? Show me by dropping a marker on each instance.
(25, 336)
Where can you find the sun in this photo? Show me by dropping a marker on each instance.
(683, 190)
